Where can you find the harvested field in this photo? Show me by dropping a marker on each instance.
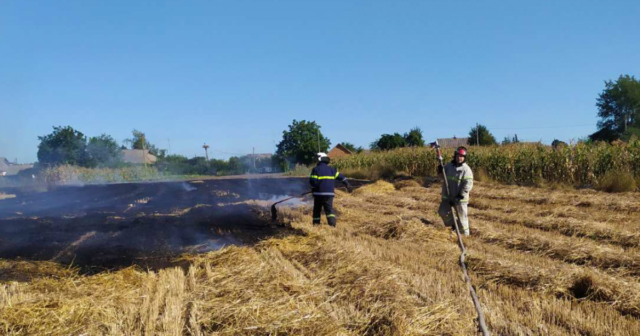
(200, 258)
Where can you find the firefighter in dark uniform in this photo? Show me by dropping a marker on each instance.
(322, 182)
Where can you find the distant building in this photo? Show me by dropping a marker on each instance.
(260, 156)
(339, 151)
(453, 142)
(138, 156)
(8, 169)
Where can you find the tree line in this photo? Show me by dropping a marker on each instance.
(618, 109)
(68, 146)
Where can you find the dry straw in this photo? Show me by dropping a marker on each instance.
(544, 262)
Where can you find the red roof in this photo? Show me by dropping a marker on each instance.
(339, 151)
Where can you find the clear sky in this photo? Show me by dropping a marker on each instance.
(234, 74)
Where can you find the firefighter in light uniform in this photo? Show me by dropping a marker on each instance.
(322, 182)
(460, 178)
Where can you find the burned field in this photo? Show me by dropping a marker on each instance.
(556, 262)
(106, 227)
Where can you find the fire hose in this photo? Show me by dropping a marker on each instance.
(476, 302)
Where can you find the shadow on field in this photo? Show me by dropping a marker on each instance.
(108, 227)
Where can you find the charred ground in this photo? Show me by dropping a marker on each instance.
(98, 227)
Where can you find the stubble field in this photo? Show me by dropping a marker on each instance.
(557, 262)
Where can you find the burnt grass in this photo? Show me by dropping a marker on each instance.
(108, 227)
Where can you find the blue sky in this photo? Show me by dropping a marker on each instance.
(234, 74)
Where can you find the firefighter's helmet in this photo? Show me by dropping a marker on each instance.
(461, 151)
(323, 157)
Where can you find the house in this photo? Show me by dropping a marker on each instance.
(8, 169)
(339, 151)
(137, 156)
(453, 142)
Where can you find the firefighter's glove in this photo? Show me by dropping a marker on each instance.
(459, 198)
(349, 189)
(440, 169)
(452, 203)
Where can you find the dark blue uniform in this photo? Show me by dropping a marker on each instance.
(322, 182)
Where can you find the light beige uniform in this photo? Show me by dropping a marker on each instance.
(460, 180)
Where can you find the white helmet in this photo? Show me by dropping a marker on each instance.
(321, 155)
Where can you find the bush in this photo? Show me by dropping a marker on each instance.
(300, 170)
(70, 175)
(615, 181)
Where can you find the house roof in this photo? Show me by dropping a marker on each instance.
(137, 156)
(12, 169)
(453, 142)
(339, 151)
(4, 164)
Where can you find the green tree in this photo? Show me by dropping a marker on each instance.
(414, 138)
(103, 150)
(352, 147)
(481, 133)
(388, 141)
(63, 146)
(235, 165)
(558, 143)
(618, 109)
(139, 141)
(349, 146)
(300, 143)
(508, 140)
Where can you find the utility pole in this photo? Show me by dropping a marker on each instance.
(144, 150)
(169, 150)
(477, 135)
(254, 159)
(318, 135)
(206, 151)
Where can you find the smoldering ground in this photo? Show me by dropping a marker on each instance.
(97, 227)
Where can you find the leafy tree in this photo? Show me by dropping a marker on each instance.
(414, 138)
(139, 141)
(349, 146)
(352, 147)
(180, 165)
(388, 141)
(558, 143)
(508, 140)
(618, 109)
(103, 150)
(485, 137)
(63, 146)
(300, 143)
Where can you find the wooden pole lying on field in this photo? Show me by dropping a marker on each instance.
(481, 323)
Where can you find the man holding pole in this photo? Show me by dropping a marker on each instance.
(459, 180)
(322, 182)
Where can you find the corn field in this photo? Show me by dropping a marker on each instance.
(580, 164)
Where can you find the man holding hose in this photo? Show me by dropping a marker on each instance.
(322, 182)
(460, 178)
